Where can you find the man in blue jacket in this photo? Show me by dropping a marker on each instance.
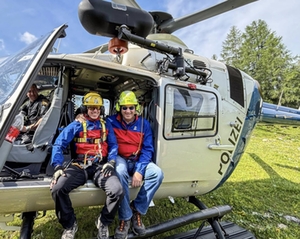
(96, 151)
(134, 136)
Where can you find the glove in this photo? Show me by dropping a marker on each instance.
(108, 168)
(58, 171)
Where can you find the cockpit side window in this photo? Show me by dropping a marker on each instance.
(189, 113)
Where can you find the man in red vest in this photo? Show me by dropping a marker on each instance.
(135, 140)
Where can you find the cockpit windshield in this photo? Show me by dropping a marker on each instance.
(13, 68)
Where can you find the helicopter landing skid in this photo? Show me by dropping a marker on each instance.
(232, 231)
(216, 230)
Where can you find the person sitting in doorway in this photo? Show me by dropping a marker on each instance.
(96, 149)
(135, 140)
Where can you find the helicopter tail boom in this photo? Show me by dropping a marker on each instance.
(275, 114)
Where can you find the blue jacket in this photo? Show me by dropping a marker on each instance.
(72, 131)
(130, 140)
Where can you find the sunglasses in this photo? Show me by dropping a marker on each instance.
(92, 108)
(125, 107)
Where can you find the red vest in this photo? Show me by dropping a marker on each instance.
(92, 142)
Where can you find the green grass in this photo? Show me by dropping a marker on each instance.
(262, 191)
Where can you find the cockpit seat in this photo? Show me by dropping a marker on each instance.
(36, 151)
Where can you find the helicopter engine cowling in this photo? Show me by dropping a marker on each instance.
(104, 18)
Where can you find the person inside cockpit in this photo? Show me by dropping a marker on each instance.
(33, 112)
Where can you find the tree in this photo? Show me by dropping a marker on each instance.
(264, 58)
(231, 47)
(291, 85)
(262, 55)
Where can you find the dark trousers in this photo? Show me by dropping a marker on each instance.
(75, 177)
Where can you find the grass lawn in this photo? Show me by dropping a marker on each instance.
(263, 191)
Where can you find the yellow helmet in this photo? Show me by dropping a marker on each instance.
(128, 98)
(92, 99)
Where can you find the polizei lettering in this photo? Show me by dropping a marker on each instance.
(233, 137)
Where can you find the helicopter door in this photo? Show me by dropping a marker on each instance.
(17, 74)
(190, 121)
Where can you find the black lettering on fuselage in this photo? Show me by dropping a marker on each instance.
(233, 138)
(225, 158)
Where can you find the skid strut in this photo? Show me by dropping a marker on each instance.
(214, 221)
(210, 214)
(27, 224)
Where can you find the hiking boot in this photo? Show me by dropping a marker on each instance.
(69, 233)
(122, 230)
(137, 225)
(103, 232)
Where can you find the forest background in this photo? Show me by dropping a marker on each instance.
(260, 53)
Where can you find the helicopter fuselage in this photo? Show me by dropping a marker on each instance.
(200, 129)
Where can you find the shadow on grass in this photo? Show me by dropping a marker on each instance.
(268, 169)
(288, 167)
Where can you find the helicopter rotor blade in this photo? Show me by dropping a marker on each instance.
(129, 3)
(173, 25)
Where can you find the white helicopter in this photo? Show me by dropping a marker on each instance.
(202, 111)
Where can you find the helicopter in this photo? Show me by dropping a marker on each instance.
(202, 112)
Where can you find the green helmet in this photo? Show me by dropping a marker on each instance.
(128, 98)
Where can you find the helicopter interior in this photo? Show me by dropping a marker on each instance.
(64, 87)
